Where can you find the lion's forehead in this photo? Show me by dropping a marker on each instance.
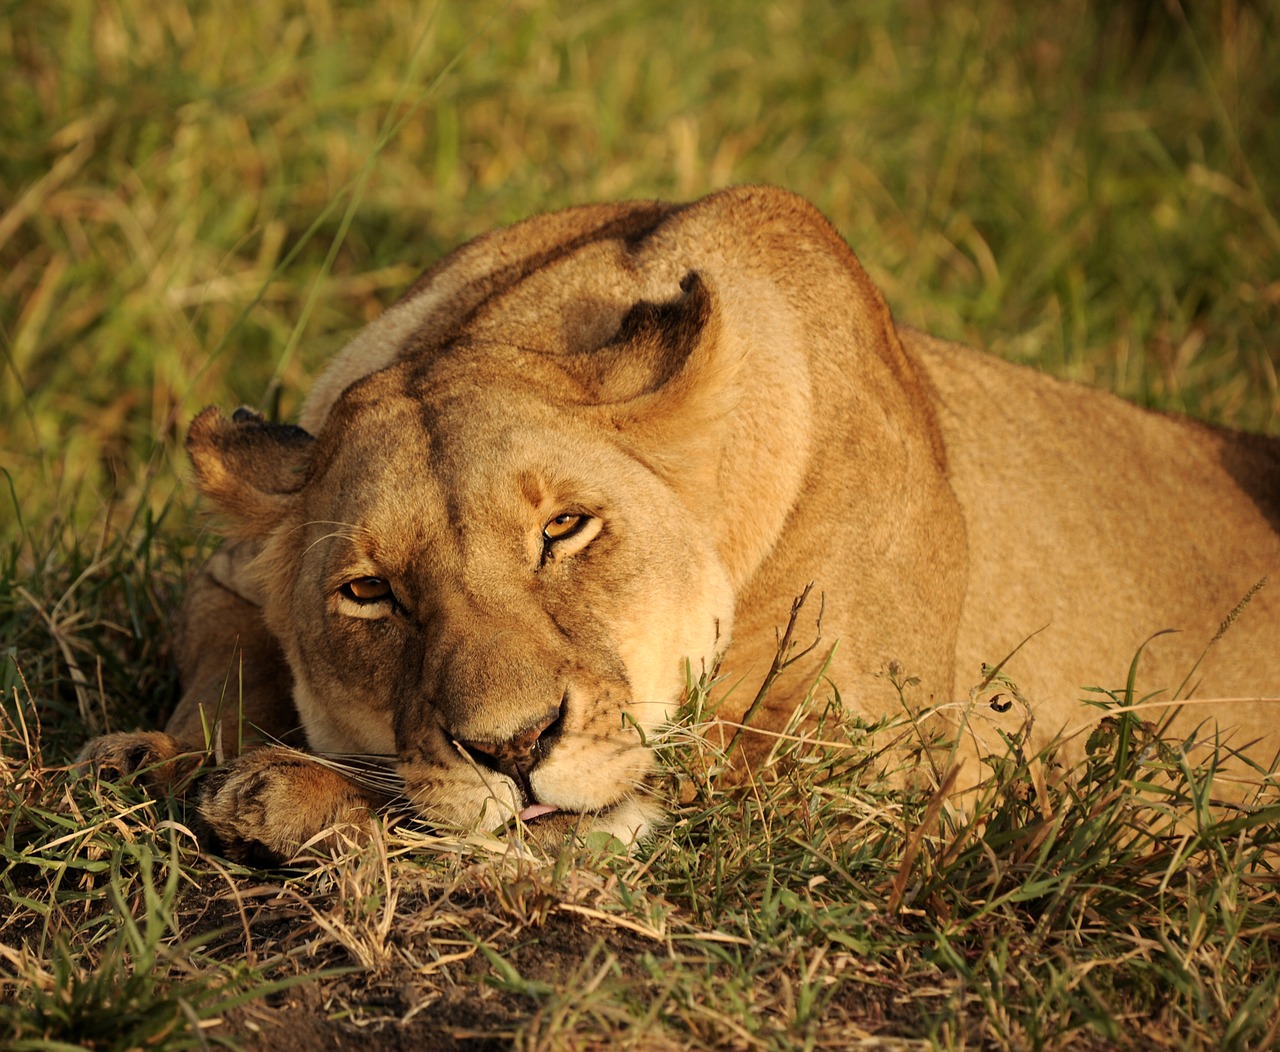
(462, 444)
(448, 481)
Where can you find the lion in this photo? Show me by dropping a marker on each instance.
(590, 452)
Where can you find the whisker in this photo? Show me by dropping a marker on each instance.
(351, 537)
(369, 770)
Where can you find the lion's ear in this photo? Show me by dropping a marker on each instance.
(656, 346)
(670, 373)
(249, 468)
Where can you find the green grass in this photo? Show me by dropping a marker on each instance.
(198, 209)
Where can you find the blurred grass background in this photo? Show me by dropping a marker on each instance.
(200, 203)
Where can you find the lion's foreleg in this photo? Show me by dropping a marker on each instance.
(236, 693)
(236, 685)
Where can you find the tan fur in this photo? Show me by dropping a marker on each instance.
(721, 391)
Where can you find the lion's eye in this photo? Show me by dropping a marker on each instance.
(367, 590)
(567, 534)
(563, 526)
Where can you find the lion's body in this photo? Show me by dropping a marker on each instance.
(1096, 525)
(713, 402)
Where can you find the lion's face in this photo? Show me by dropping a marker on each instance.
(487, 587)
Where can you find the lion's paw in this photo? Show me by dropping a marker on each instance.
(266, 805)
(159, 760)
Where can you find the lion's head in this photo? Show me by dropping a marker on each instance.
(478, 564)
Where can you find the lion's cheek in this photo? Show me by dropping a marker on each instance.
(340, 716)
(351, 727)
(343, 684)
(685, 613)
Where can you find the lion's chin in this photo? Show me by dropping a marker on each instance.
(629, 821)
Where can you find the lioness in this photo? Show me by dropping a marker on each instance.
(584, 450)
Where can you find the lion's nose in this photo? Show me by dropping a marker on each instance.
(523, 749)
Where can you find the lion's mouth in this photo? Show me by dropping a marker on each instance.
(537, 811)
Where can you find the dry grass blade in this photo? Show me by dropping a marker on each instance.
(786, 655)
(925, 828)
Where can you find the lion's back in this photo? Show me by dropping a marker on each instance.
(1097, 524)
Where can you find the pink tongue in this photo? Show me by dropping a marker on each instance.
(536, 811)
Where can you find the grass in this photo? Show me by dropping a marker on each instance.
(199, 209)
